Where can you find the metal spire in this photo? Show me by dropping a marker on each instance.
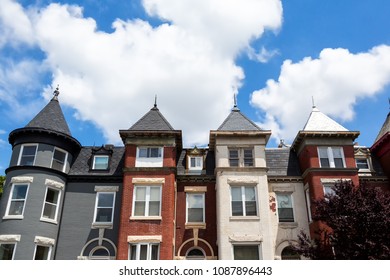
(235, 108)
(155, 103)
(56, 93)
(312, 101)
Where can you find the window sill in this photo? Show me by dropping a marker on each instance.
(288, 224)
(106, 225)
(151, 218)
(244, 218)
(13, 217)
(49, 221)
(195, 225)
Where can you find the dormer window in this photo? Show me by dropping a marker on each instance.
(101, 158)
(100, 162)
(149, 157)
(332, 157)
(196, 163)
(149, 152)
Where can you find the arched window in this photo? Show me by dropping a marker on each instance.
(195, 254)
(289, 254)
(99, 253)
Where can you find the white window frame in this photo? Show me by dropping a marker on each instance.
(22, 150)
(65, 160)
(292, 206)
(241, 156)
(198, 163)
(203, 207)
(138, 251)
(243, 201)
(57, 205)
(147, 201)
(100, 156)
(327, 188)
(363, 169)
(96, 208)
(330, 156)
(7, 214)
(249, 244)
(46, 246)
(14, 249)
(92, 257)
(148, 161)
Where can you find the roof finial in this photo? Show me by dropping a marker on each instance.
(312, 101)
(155, 103)
(56, 92)
(235, 108)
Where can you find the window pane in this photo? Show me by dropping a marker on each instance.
(250, 208)
(284, 201)
(324, 162)
(362, 163)
(337, 152)
(154, 208)
(195, 215)
(195, 200)
(338, 162)
(104, 215)
(49, 211)
(155, 193)
(42, 253)
(6, 251)
(19, 191)
(286, 215)
(140, 193)
(236, 193)
(250, 194)
(154, 255)
(101, 162)
(139, 208)
(143, 152)
(248, 157)
(155, 152)
(323, 152)
(248, 252)
(58, 160)
(143, 255)
(105, 199)
(16, 208)
(133, 252)
(52, 196)
(237, 208)
(233, 157)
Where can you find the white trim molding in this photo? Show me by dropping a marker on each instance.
(106, 188)
(54, 184)
(148, 181)
(21, 179)
(10, 238)
(44, 241)
(144, 238)
(247, 180)
(245, 238)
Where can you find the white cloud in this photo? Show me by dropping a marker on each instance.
(336, 80)
(111, 78)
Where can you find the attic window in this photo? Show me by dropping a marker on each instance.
(100, 162)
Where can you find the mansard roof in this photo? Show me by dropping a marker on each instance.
(385, 131)
(51, 117)
(282, 162)
(236, 121)
(152, 121)
(318, 121)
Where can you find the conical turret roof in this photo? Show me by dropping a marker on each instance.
(236, 121)
(51, 117)
(318, 121)
(152, 121)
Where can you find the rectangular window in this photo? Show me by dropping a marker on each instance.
(246, 252)
(59, 159)
(242, 157)
(17, 200)
(233, 157)
(104, 207)
(331, 157)
(50, 207)
(147, 201)
(362, 164)
(27, 155)
(144, 251)
(7, 251)
(196, 163)
(100, 162)
(149, 152)
(195, 208)
(328, 188)
(285, 207)
(42, 252)
(243, 201)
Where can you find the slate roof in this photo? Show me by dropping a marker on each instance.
(385, 129)
(236, 121)
(282, 162)
(51, 117)
(318, 121)
(151, 121)
(83, 162)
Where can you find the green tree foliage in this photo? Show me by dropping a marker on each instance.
(355, 225)
(2, 179)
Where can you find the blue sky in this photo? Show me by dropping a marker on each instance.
(110, 58)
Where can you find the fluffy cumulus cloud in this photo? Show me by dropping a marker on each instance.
(336, 80)
(111, 78)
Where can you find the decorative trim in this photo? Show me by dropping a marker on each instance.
(284, 179)
(54, 184)
(244, 218)
(45, 241)
(195, 189)
(289, 225)
(106, 188)
(22, 179)
(243, 180)
(148, 181)
(284, 189)
(144, 238)
(148, 218)
(245, 238)
(10, 238)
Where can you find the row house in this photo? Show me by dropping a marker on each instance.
(154, 199)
